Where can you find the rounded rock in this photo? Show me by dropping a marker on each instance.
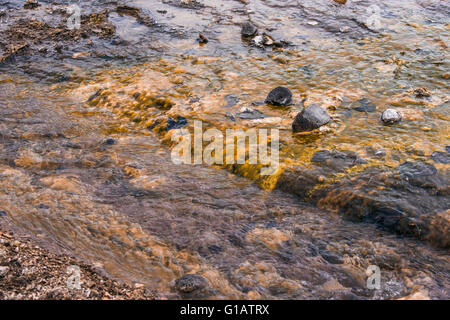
(190, 283)
(280, 96)
(391, 116)
(248, 29)
(310, 118)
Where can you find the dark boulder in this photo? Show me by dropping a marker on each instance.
(310, 118)
(248, 29)
(280, 96)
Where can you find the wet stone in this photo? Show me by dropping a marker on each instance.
(417, 169)
(231, 100)
(338, 160)
(179, 123)
(31, 4)
(248, 29)
(391, 116)
(365, 106)
(190, 283)
(331, 257)
(440, 157)
(280, 96)
(3, 214)
(109, 142)
(202, 39)
(310, 118)
(250, 114)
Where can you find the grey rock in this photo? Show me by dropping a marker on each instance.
(310, 118)
(331, 257)
(250, 114)
(280, 96)
(190, 283)
(337, 160)
(231, 100)
(440, 157)
(3, 271)
(391, 116)
(248, 29)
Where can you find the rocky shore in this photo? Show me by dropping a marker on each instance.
(29, 272)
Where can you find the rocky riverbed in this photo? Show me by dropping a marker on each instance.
(86, 120)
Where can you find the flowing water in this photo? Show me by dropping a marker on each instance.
(81, 171)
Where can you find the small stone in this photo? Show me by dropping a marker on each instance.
(422, 93)
(341, 1)
(310, 118)
(202, 39)
(80, 55)
(3, 271)
(3, 214)
(190, 282)
(345, 29)
(31, 4)
(231, 100)
(110, 141)
(440, 157)
(331, 257)
(447, 148)
(248, 29)
(391, 116)
(280, 96)
(333, 285)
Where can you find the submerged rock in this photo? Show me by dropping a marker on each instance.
(179, 123)
(365, 106)
(331, 257)
(310, 118)
(338, 160)
(248, 29)
(280, 96)
(250, 114)
(391, 116)
(190, 283)
(231, 100)
(440, 157)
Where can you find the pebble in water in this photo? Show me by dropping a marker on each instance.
(391, 116)
(248, 29)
